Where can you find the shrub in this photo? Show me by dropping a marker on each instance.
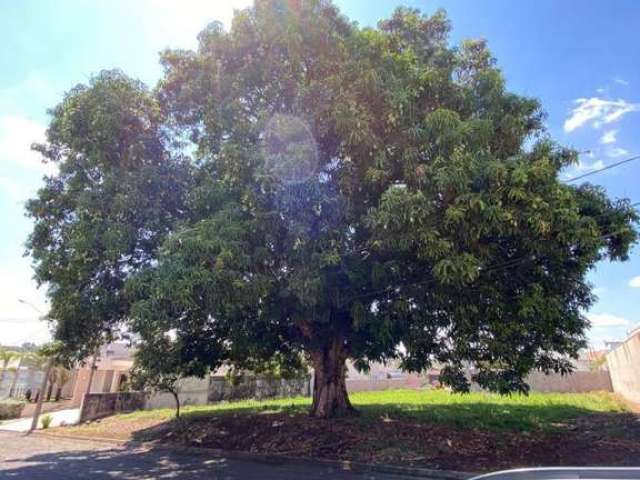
(46, 421)
(10, 409)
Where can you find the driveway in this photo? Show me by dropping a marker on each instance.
(61, 417)
(38, 457)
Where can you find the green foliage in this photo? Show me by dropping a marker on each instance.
(6, 356)
(363, 193)
(10, 409)
(102, 217)
(157, 367)
(46, 420)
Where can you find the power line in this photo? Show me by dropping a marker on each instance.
(593, 172)
(515, 261)
(491, 268)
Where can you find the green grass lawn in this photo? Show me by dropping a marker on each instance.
(473, 410)
(430, 428)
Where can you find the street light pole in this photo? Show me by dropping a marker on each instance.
(92, 371)
(43, 389)
(47, 373)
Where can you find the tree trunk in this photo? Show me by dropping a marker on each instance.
(177, 399)
(41, 392)
(91, 372)
(330, 398)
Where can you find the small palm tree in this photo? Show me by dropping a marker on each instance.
(5, 357)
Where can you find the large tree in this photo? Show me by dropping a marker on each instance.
(118, 192)
(358, 193)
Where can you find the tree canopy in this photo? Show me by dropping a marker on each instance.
(353, 193)
(102, 217)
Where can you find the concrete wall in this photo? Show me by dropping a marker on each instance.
(98, 405)
(576, 382)
(220, 388)
(192, 391)
(624, 366)
(375, 384)
(580, 381)
(69, 387)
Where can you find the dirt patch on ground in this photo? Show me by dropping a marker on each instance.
(599, 439)
(111, 428)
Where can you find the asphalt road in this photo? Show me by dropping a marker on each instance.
(38, 457)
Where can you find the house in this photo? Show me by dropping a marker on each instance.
(111, 371)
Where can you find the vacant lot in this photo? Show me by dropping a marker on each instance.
(433, 429)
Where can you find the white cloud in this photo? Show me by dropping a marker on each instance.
(606, 320)
(608, 137)
(582, 167)
(621, 81)
(597, 112)
(20, 322)
(635, 282)
(35, 87)
(17, 133)
(617, 152)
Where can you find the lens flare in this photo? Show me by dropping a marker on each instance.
(291, 153)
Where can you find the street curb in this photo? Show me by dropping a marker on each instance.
(112, 441)
(347, 465)
(275, 459)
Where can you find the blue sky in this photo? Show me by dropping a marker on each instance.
(579, 58)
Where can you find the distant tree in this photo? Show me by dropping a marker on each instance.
(6, 356)
(48, 356)
(28, 347)
(598, 363)
(158, 367)
(356, 193)
(117, 195)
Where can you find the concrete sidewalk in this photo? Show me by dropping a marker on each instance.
(61, 417)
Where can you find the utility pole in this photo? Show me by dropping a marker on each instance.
(43, 389)
(93, 369)
(45, 379)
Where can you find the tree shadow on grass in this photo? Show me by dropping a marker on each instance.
(473, 436)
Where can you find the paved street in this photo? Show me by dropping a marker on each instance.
(37, 457)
